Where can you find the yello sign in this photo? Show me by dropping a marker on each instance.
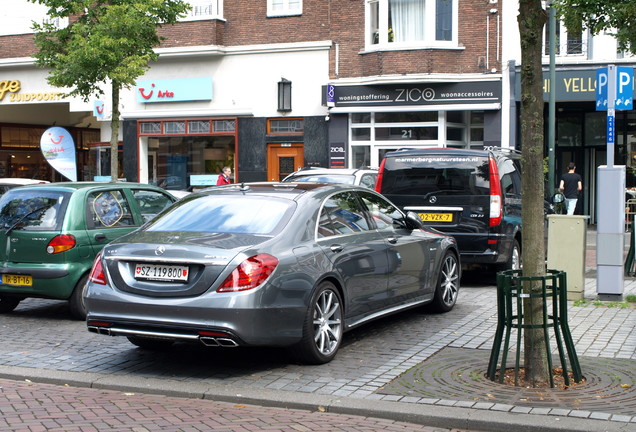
(12, 86)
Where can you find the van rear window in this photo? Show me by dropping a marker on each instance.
(441, 174)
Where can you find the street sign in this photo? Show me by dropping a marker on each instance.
(623, 99)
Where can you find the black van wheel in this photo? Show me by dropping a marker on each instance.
(514, 260)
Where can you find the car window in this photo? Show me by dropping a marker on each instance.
(151, 203)
(108, 209)
(368, 180)
(439, 174)
(33, 210)
(382, 211)
(342, 214)
(226, 214)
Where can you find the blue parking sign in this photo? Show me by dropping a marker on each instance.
(624, 98)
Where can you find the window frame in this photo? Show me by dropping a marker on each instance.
(430, 28)
(286, 11)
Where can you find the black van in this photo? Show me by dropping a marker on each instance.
(473, 195)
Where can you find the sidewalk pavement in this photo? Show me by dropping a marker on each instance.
(435, 379)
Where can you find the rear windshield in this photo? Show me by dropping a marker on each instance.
(226, 214)
(36, 210)
(441, 174)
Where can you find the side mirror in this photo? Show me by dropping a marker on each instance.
(558, 198)
(413, 221)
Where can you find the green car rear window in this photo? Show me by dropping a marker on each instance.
(33, 210)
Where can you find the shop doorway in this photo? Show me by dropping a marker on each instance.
(284, 159)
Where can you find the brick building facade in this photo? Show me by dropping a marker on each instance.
(363, 77)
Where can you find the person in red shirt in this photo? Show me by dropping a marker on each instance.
(224, 177)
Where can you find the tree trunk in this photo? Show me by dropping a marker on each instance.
(114, 133)
(532, 18)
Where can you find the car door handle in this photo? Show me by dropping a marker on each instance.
(392, 240)
(100, 237)
(336, 248)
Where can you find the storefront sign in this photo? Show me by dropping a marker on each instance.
(570, 85)
(174, 90)
(413, 94)
(337, 155)
(58, 148)
(12, 89)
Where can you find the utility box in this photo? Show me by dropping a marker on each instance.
(567, 242)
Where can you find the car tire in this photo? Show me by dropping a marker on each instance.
(514, 260)
(150, 343)
(8, 303)
(447, 287)
(76, 302)
(323, 327)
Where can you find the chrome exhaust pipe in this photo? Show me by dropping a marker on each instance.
(218, 342)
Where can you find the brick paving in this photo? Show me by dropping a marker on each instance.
(45, 407)
(40, 342)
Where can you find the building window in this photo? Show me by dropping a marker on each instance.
(371, 135)
(204, 10)
(392, 24)
(567, 43)
(284, 7)
(285, 126)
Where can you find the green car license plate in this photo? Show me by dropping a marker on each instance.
(17, 280)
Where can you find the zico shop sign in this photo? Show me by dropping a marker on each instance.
(12, 89)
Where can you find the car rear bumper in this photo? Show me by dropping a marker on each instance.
(48, 281)
(212, 319)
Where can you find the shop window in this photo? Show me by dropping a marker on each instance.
(175, 127)
(199, 126)
(361, 118)
(395, 23)
(285, 126)
(407, 117)
(150, 127)
(569, 130)
(284, 7)
(224, 125)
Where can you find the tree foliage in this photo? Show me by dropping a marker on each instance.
(106, 43)
(616, 17)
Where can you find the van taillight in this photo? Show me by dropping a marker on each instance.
(496, 200)
(61, 243)
(378, 182)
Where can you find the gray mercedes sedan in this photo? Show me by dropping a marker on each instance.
(269, 264)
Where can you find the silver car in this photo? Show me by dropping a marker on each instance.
(269, 264)
(357, 176)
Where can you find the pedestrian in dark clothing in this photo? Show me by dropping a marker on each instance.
(571, 185)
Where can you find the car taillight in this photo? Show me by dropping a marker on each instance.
(97, 272)
(61, 243)
(496, 201)
(378, 182)
(249, 274)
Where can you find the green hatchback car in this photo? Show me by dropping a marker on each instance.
(50, 234)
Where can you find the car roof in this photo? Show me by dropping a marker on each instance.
(289, 189)
(491, 150)
(336, 171)
(85, 185)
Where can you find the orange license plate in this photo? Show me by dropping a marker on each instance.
(17, 280)
(436, 217)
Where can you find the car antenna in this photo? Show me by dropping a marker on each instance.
(244, 188)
